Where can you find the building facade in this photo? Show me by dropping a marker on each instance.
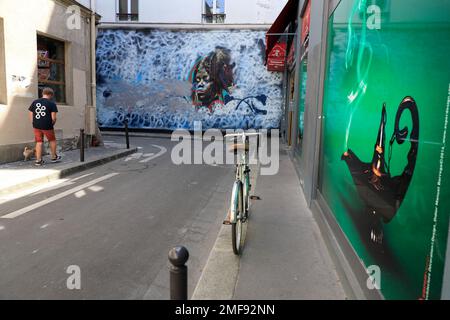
(53, 49)
(189, 11)
(368, 134)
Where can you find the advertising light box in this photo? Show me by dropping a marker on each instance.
(385, 157)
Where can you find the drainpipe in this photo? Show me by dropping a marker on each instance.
(93, 34)
(93, 67)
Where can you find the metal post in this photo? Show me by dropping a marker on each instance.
(127, 137)
(178, 256)
(81, 145)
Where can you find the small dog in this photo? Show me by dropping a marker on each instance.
(28, 153)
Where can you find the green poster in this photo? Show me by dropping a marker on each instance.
(385, 160)
(301, 111)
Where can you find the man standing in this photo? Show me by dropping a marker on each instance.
(43, 116)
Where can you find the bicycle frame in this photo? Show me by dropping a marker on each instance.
(240, 202)
(240, 195)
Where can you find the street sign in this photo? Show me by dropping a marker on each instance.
(277, 57)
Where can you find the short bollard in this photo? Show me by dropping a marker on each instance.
(81, 145)
(127, 137)
(178, 256)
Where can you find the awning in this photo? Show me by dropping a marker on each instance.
(287, 15)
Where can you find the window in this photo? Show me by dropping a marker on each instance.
(214, 11)
(51, 66)
(3, 99)
(128, 10)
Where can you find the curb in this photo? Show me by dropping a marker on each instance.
(69, 170)
(219, 277)
(221, 272)
(138, 134)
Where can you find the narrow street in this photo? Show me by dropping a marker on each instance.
(309, 161)
(117, 222)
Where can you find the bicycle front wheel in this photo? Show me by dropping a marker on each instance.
(246, 194)
(236, 233)
(236, 221)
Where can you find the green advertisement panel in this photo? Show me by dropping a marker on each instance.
(301, 105)
(385, 160)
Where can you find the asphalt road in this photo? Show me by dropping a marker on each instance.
(116, 223)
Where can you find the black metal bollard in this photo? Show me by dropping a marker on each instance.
(178, 256)
(257, 142)
(127, 137)
(81, 145)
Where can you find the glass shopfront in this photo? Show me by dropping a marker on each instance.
(384, 165)
(301, 107)
(303, 72)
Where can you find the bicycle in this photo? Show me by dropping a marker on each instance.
(240, 195)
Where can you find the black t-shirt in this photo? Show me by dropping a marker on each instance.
(42, 113)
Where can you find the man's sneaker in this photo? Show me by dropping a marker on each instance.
(39, 163)
(56, 159)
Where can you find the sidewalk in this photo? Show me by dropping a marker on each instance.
(284, 257)
(24, 174)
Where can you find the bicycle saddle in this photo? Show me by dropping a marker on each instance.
(235, 147)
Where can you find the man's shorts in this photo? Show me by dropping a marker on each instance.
(39, 135)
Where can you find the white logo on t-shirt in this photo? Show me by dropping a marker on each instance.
(40, 110)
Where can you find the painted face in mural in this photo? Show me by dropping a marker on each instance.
(203, 86)
(212, 78)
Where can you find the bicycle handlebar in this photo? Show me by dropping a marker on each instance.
(242, 134)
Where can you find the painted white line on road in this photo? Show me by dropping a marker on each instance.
(34, 190)
(81, 177)
(160, 153)
(80, 194)
(96, 188)
(39, 204)
(134, 156)
(49, 186)
(64, 184)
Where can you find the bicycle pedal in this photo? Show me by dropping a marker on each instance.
(255, 198)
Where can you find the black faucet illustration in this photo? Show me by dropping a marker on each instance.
(382, 193)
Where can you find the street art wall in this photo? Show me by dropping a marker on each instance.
(161, 79)
(384, 166)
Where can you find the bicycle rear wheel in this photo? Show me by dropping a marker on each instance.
(237, 212)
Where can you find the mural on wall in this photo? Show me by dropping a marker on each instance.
(158, 79)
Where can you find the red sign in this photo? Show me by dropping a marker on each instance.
(277, 57)
(306, 22)
(291, 55)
